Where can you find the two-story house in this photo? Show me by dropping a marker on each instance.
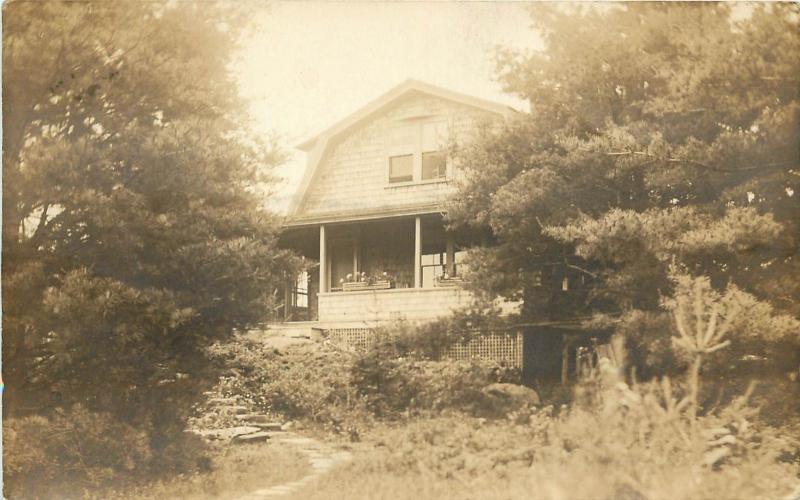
(369, 215)
(370, 209)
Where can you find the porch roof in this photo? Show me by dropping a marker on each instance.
(363, 215)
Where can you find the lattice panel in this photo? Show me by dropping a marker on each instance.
(505, 347)
(352, 338)
(494, 346)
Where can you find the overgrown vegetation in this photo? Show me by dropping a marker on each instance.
(651, 440)
(132, 237)
(346, 392)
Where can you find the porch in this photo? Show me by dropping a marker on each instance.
(371, 271)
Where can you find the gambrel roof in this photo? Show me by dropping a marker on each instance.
(317, 146)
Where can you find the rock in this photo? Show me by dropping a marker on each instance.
(255, 418)
(234, 409)
(228, 433)
(222, 401)
(256, 437)
(513, 394)
(268, 426)
(287, 426)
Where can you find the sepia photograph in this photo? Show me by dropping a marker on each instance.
(400, 250)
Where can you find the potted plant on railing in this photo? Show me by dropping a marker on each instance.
(364, 281)
(446, 280)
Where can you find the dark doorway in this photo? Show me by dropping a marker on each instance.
(541, 356)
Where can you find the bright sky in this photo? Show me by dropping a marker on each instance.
(311, 64)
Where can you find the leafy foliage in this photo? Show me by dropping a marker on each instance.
(343, 391)
(132, 237)
(662, 140)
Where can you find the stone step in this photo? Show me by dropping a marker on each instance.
(268, 426)
(256, 437)
(228, 433)
(222, 401)
(234, 409)
(255, 418)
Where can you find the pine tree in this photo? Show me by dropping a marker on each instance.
(662, 142)
(131, 238)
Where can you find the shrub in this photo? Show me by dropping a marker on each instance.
(392, 386)
(70, 452)
(345, 391)
(308, 382)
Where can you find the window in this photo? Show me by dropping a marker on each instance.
(434, 165)
(401, 168)
(416, 152)
(432, 268)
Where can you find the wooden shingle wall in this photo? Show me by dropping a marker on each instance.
(353, 173)
(395, 304)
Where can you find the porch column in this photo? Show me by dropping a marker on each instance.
(356, 249)
(323, 261)
(450, 250)
(417, 253)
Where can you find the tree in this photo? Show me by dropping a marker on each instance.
(661, 143)
(131, 237)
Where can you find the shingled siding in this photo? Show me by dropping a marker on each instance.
(385, 305)
(353, 174)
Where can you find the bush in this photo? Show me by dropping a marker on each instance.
(392, 386)
(70, 452)
(631, 442)
(77, 453)
(308, 382)
(644, 442)
(345, 391)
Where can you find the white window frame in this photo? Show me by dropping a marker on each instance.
(416, 151)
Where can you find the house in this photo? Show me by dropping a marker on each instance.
(370, 209)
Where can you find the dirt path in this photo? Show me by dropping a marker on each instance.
(321, 458)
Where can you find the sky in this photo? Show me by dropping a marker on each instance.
(308, 65)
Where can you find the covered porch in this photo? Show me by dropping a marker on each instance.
(376, 270)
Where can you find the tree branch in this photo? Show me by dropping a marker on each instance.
(666, 159)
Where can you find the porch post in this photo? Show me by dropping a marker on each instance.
(451, 255)
(323, 261)
(356, 249)
(417, 253)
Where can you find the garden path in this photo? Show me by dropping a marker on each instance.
(321, 457)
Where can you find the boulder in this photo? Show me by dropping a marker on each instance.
(512, 394)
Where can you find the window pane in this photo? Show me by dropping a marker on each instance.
(401, 168)
(434, 165)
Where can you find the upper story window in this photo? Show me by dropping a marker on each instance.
(416, 152)
(434, 164)
(401, 168)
